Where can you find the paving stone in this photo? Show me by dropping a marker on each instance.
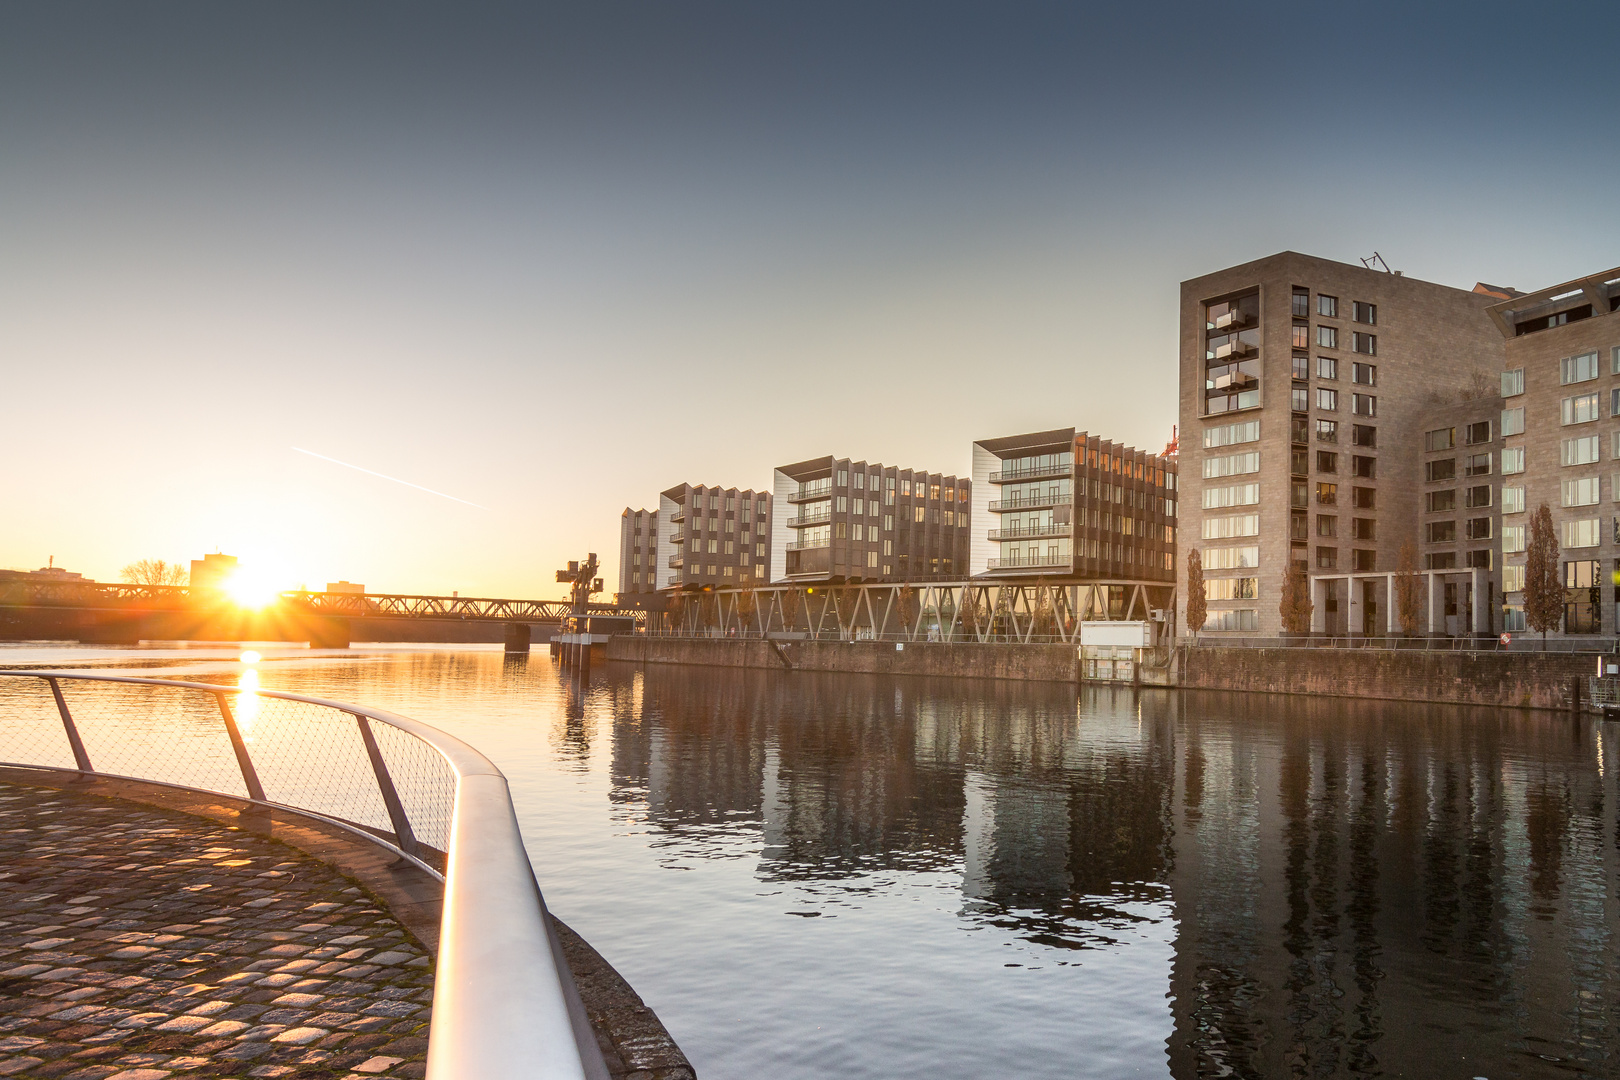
(379, 1064)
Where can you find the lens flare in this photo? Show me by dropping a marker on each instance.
(250, 657)
(251, 589)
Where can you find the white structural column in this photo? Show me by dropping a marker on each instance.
(1432, 600)
(1390, 621)
(1318, 606)
(1482, 614)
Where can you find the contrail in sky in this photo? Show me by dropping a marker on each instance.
(385, 476)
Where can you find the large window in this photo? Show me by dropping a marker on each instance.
(1513, 500)
(1513, 421)
(1439, 439)
(1364, 312)
(1512, 538)
(1237, 588)
(1302, 336)
(1327, 461)
(1327, 306)
(1574, 369)
(1222, 528)
(1232, 558)
(1242, 619)
(1579, 451)
(1327, 494)
(1327, 400)
(1364, 498)
(1364, 374)
(1513, 382)
(1440, 532)
(1216, 498)
(1443, 469)
(1477, 433)
(1479, 495)
(1363, 405)
(1327, 367)
(1232, 465)
(1584, 533)
(1365, 468)
(1363, 435)
(1477, 465)
(1582, 491)
(1327, 431)
(1327, 337)
(1512, 460)
(1440, 502)
(1302, 303)
(1299, 398)
(1366, 344)
(1513, 579)
(1580, 409)
(1479, 528)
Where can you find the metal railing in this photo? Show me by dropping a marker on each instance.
(504, 1001)
(1025, 561)
(1033, 532)
(1030, 502)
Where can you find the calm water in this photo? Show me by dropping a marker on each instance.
(829, 876)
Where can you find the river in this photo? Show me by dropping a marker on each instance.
(828, 876)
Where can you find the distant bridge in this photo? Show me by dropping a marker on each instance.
(122, 613)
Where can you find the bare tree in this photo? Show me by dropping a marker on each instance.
(1543, 591)
(1408, 590)
(155, 572)
(1197, 606)
(1295, 607)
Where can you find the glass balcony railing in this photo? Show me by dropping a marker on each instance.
(678, 537)
(1025, 562)
(1032, 532)
(1031, 502)
(1030, 472)
(677, 561)
(821, 489)
(808, 545)
(811, 517)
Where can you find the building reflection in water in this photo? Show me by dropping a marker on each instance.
(1355, 888)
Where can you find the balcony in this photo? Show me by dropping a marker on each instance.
(808, 545)
(811, 517)
(1025, 562)
(1230, 350)
(678, 537)
(1232, 320)
(1038, 532)
(1030, 502)
(1030, 472)
(678, 516)
(677, 561)
(811, 492)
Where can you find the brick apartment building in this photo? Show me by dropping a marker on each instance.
(712, 536)
(638, 553)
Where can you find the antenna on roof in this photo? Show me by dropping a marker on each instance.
(1376, 262)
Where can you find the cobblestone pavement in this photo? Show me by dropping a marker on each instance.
(138, 944)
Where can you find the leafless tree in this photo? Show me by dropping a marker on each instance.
(1408, 590)
(155, 572)
(1197, 606)
(1543, 591)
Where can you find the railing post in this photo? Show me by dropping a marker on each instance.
(80, 758)
(385, 784)
(249, 775)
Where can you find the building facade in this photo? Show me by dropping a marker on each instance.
(853, 521)
(1560, 424)
(712, 537)
(1069, 506)
(1304, 389)
(638, 552)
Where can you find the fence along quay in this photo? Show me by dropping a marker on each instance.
(504, 1002)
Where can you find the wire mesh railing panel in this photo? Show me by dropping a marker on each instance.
(310, 756)
(425, 781)
(31, 731)
(162, 733)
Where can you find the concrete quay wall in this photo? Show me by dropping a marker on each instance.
(1045, 663)
(1524, 680)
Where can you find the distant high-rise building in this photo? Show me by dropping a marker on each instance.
(212, 571)
(853, 521)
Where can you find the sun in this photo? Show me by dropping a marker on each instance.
(251, 589)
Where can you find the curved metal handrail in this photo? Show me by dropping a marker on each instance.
(504, 1002)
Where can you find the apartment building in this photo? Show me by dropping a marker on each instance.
(712, 536)
(1560, 424)
(857, 521)
(1068, 506)
(1304, 388)
(1460, 521)
(638, 552)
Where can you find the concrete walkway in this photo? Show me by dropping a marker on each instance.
(138, 943)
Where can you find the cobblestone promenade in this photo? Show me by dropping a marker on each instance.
(138, 943)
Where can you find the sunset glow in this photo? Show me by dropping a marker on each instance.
(252, 588)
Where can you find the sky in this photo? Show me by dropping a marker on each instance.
(551, 260)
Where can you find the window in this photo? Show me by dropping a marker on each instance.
(1364, 435)
(1512, 460)
(1614, 360)
(1440, 560)
(759, 551)
(1440, 532)
(1364, 529)
(1239, 588)
(1614, 402)
(1327, 337)
(1327, 494)
(1583, 491)
(1580, 409)
(1363, 405)
(1513, 616)
(1579, 451)
(1221, 528)
(1237, 495)
(1327, 525)
(1327, 399)
(1365, 561)
(1477, 465)
(1440, 502)
(1327, 307)
(714, 547)
(871, 559)
(858, 508)
(1231, 434)
(1477, 433)
(1302, 303)
(1299, 495)
(1366, 344)
(1512, 579)
(1513, 421)
(1235, 619)
(1513, 382)
(1477, 496)
(1230, 465)
(1582, 534)
(1327, 558)
(1327, 367)
(843, 503)
(1232, 558)
(843, 478)
(1443, 469)
(1327, 431)
(1302, 366)
(1299, 429)
(1299, 399)
(1364, 313)
(1327, 462)
(1302, 336)
(1481, 559)
(920, 512)
(1439, 439)
(1478, 528)
(840, 530)
(1364, 374)
(1512, 538)
(1365, 468)
(1364, 498)
(1574, 369)
(1513, 500)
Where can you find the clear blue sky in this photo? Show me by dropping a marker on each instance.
(554, 260)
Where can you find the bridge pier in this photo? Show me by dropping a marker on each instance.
(328, 633)
(517, 638)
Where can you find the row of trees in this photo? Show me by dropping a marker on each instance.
(1543, 587)
(155, 572)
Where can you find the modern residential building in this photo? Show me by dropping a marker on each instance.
(1305, 387)
(854, 521)
(638, 552)
(712, 536)
(1560, 425)
(1069, 506)
(1460, 518)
